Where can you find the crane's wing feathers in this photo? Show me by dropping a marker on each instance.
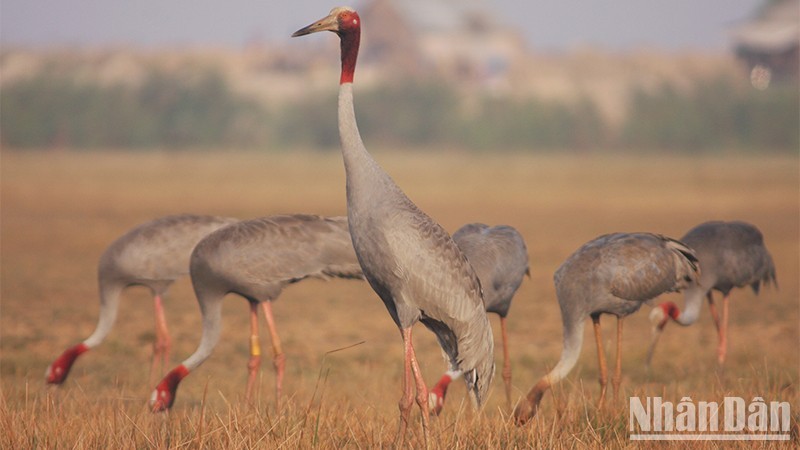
(650, 265)
(278, 250)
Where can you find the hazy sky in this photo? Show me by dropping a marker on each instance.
(550, 25)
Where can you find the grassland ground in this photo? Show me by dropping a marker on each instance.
(60, 210)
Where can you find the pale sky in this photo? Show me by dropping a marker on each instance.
(547, 25)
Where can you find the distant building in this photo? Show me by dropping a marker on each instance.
(769, 43)
(460, 40)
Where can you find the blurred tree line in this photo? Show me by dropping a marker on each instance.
(170, 111)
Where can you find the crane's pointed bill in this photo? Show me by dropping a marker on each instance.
(329, 23)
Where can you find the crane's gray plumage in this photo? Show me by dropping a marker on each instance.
(256, 259)
(499, 257)
(613, 274)
(408, 259)
(153, 254)
(732, 255)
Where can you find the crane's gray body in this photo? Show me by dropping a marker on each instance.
(731, 254)
(153, 254)
(411, 262)
(257, 258)
(499, 257)
(615, 274)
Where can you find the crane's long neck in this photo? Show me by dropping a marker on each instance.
(348, 44)
(110, 292)
(353, 150)
(573, 340)
(692, 303)
(364, 175)
(211, 309)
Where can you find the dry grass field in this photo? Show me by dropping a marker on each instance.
(60, 210)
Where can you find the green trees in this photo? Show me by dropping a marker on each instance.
(173, 111)
(164, 111)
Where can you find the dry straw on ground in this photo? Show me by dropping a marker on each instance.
(59, 211)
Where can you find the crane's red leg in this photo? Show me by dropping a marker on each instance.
(506, 363)
(411, 367)
(278, 358)
(618, 367)
(162, 344)
(601, 358)
(722, 349)
(255, 352)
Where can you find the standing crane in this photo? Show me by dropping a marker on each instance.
(731, 254)
(612, 274)
(153, 254)
(500, 259)
(408, 259)
(256, 259)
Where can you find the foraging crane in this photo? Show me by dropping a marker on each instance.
(256, 259)
(612, 274)
(731, 254)
(500, 259)
(154, 255)
(408, 259)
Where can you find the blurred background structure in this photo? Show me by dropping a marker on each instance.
(476, 75)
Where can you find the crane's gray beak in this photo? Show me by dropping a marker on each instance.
(329, 23)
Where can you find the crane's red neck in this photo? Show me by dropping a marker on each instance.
(350, 36)
(670, 310)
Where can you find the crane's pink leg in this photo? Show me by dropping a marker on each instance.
(601, 360)
(618, 367)
(163, 342)
(406, 401)
(278, 358)
(255, 352)
(506, 363)
(722, 349)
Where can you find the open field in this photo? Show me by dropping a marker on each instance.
(59, 212)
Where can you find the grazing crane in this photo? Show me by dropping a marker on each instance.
(500, 259)
(612, 274)
(731, 254)
(256, 259)
(408, 259)
(154, 255)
